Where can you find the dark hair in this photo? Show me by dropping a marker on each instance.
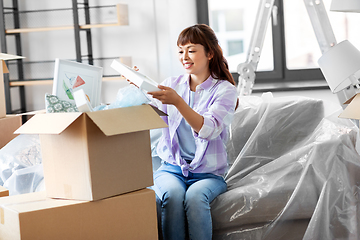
(204, 35)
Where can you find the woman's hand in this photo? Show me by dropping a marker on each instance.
(167, 95)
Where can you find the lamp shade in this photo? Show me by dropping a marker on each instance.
(339, 64)
(345, 5)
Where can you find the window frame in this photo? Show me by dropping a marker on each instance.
(281, 78)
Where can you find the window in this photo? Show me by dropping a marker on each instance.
(302, 49)
(233, 21)
(290, 51)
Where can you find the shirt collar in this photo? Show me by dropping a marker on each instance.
(206, 85)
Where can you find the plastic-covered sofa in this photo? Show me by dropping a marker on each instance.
(293, 174)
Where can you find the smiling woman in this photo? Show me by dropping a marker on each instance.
(199, 106)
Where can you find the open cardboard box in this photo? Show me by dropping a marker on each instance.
(95, 155)
(33, 216)
(8, 123)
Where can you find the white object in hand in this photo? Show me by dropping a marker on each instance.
(143, 82)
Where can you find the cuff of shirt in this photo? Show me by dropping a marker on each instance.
(206, 129)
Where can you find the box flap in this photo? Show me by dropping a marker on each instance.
(4, 67)
(50, 123)
(22, 198)
(31, 113)
(2, 94)
(158, 111)
(3, 192)
(350, 99)
(126, 120)
(5, 56)
(34, 201)
(352, 110)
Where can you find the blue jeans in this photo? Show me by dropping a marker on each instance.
(185, 202)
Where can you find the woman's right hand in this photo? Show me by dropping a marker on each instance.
(166, 95)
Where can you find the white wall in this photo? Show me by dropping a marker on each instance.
(150, 40)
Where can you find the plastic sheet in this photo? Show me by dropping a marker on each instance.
(126, 97)
(293, 173)
(21, 165)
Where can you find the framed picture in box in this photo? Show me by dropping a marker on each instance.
(70, 76)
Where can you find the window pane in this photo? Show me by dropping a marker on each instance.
(302, 49)
(233, 22)
(214, 21)
(235, 47)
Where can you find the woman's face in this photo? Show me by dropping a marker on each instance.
(194, 59)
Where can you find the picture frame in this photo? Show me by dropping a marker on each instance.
(70, 76)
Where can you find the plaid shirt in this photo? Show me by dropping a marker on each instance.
(215, 100)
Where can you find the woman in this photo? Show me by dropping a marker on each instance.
(200, 105)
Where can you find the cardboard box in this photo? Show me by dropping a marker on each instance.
(94, 155)
(352, 110)
(3, 192)
(4, 69)
(33, 216)
(8, 126)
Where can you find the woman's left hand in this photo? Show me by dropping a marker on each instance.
(167, 95)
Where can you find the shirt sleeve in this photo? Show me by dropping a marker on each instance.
(220, 113)
(156, 102)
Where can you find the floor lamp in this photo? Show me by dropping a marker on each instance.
(340, 64)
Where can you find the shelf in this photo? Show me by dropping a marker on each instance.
(74, 18)
(41, 72)
(30, 83)
(122, 20)
(50, 82)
